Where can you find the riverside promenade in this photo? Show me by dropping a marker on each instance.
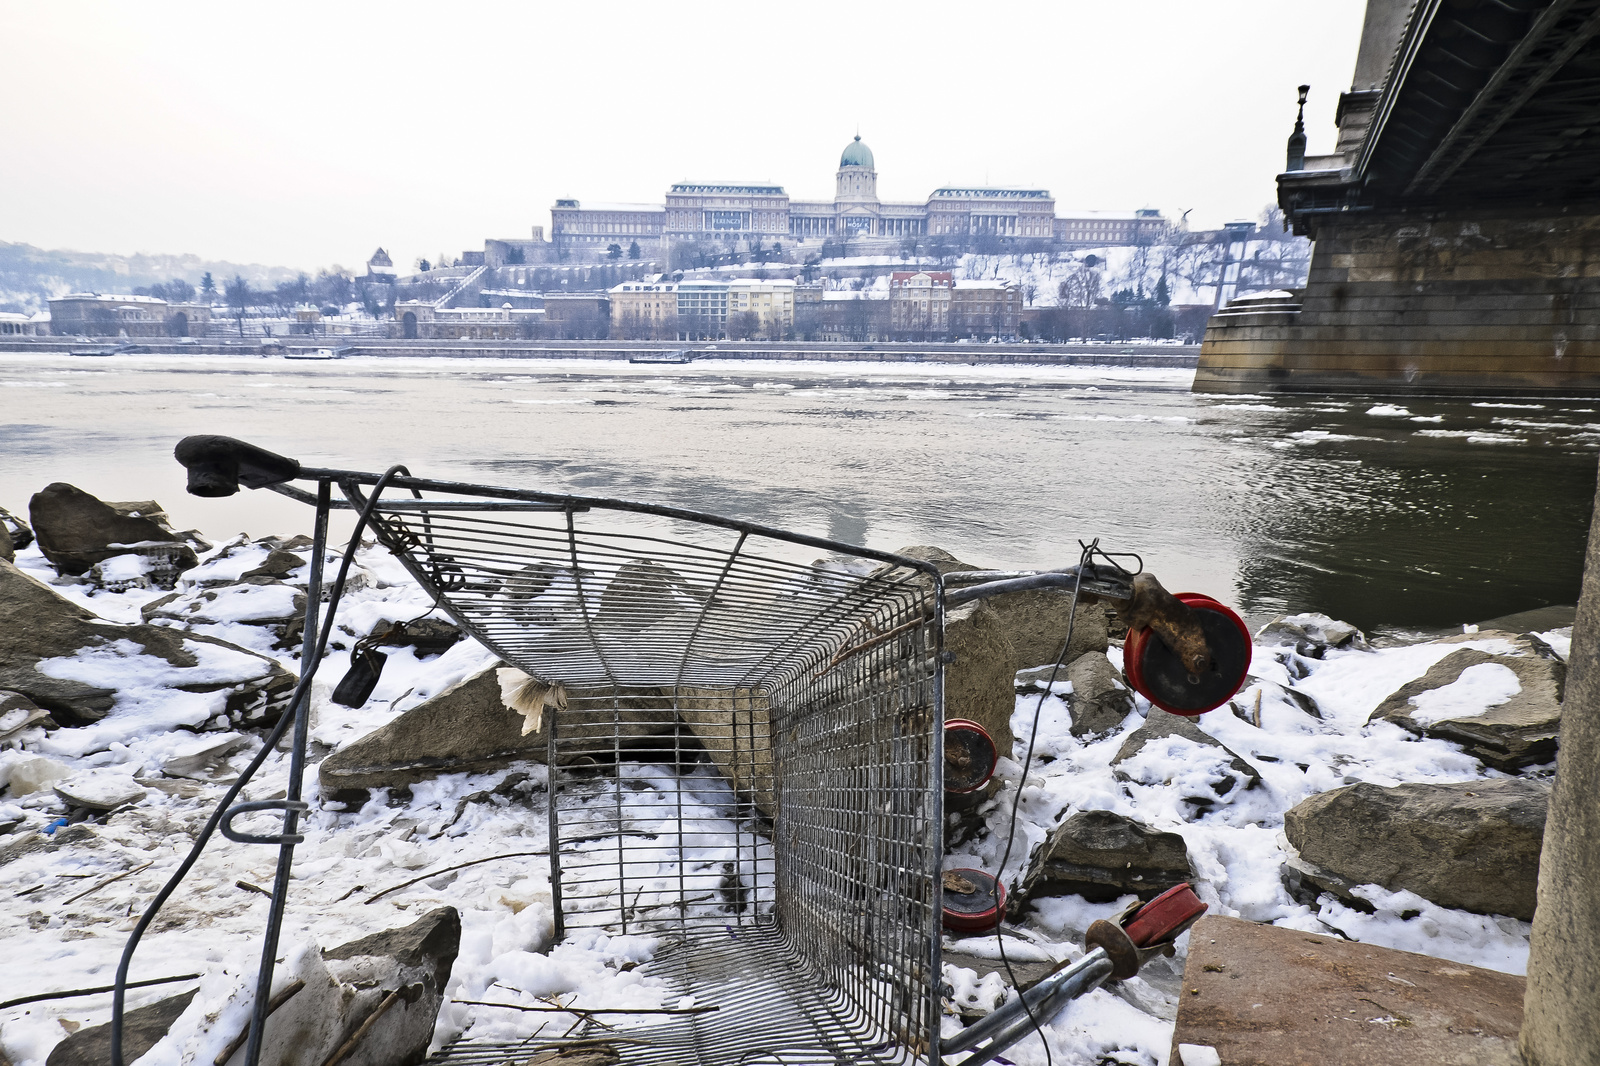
(1117, 353)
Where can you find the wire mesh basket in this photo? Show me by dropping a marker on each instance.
(745, 752)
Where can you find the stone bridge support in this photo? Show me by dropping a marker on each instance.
(1440, 302)
(1561, 1021)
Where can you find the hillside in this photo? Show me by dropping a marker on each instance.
(30, 276)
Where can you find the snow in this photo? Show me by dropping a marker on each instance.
(1478, 688)
(148, 746)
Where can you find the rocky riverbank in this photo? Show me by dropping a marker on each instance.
(1391, 795)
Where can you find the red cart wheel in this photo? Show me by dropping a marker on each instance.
(974, 902)
(1164, 917)
(969, 756)
(1157, 674)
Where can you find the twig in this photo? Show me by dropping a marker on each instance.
(42, 996)
(273, 1004)
(1255, 716)
(248, 887)
(458, 866)
(355, 1037)
(586, 1010)
(856, 649)
(108, 880)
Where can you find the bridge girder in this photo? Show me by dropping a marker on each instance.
(1485, 101)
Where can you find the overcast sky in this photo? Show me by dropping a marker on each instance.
(304, 134)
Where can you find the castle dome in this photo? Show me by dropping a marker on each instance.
(856, 154)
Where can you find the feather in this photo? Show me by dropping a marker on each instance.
(530, 696)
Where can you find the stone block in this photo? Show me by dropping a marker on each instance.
(1260, 995)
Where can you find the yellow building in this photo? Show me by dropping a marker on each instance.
(771, 302)
(644, 310)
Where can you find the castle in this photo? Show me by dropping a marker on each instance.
(746, 215)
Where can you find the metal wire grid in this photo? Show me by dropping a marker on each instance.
(749, 743)
(768, 1012)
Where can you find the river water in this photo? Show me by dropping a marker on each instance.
(1419, 515)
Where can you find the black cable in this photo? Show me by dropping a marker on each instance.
(308, 671)
(1089, 551)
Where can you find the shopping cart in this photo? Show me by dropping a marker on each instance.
(745, 744)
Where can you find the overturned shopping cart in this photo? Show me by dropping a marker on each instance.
(745, 743)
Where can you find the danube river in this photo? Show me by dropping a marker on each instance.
(1392, 515)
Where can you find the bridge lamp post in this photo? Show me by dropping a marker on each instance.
(1297, 139)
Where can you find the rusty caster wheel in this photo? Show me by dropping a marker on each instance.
(1155, 672)
(974, 902)
(969, 756)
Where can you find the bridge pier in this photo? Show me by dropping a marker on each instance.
(1461, 302)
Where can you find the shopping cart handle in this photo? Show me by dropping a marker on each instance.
(219, 465)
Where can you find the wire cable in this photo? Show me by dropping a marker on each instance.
(297, 706)
(1087, 555)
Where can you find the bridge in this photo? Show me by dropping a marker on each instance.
(1456, 226)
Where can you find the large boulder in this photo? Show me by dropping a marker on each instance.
(980, 680)
(1504, 709)
(390, 983)
(1102, 856)
(1222, 769)
(469, 728)
(141, 1029)
(1472, 845)
(76, 531)
(38, 624)
(1034, 622)
(982, 664)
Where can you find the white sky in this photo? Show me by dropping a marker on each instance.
(305, 134)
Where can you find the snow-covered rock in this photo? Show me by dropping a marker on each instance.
(76, 531)
(1503, 709)
(84, 668)
(100, 790)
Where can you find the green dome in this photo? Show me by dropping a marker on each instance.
(856, 154)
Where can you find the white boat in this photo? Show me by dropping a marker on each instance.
(676, 357)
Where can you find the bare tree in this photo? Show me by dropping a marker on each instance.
(1081, 289)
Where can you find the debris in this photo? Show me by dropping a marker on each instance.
(376, 896)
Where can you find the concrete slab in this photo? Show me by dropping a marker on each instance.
(1265, 996)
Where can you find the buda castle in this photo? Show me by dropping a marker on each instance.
(741, 214)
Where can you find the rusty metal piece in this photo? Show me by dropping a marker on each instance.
(1152, 606)
(1118, 946)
